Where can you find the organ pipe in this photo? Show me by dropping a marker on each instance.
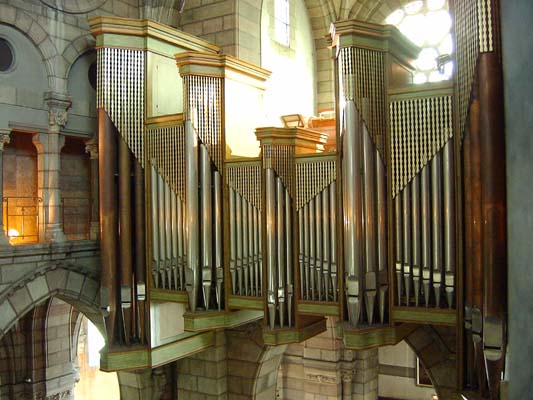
(140, 234)
(233, 240)
(326, 253)
(415, 213)
(425, 211)
(280, 210)
(333, 235)
(449, 221)
(382, 234)
(270, 183)
(289, 269)
(207, 223)
(217, 180)
(406, 202)
(436, 221)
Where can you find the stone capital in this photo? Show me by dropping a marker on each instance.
(4, 138)
(58, 105)
(91, 147)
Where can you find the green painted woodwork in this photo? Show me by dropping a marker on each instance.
(331, 309)
(433, 316)
(168, 295)
(242, 302)
(182, 348)
(372, 337)
(202, 321)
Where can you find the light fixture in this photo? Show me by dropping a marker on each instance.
(13, 233)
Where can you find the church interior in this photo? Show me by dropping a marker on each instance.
(276, 199)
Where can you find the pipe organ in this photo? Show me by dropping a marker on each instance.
(369, 231)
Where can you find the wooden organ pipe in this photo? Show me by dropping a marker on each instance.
(191, 167)
(352, 210)
(270, 183)
(107, 150)
(125, 233)
(369, 166)
(140, 240)
(207, 224)
(493, 208)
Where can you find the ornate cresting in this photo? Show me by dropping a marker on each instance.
(423, 175)
(142, 229)
(369, 57)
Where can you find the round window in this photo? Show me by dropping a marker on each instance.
(6, 55)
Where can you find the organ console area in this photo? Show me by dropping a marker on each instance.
(210, 220)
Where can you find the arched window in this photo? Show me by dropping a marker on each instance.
(281, 21)
(427, 23)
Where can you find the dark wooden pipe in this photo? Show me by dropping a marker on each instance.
(107, 150)
(493, 208)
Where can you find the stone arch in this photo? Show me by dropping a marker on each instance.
(68, 282)
(436, 348)
(76, 49)
(32, 29)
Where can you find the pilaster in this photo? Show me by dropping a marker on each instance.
(4, 138)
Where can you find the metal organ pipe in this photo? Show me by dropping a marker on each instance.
(436, 197)
(181, 237)
(270, 183)
(125, 232)
(318, 258)
(289, 269)
(398, 229)
(161, 225)
(174, 232)
(245, 264)
(280, 199)
(449, 221)
(382, 234)
(333, 235)
(370, 224)
(415, 212)
(155, 228)
(352, 210)
(140, 271)
(312, 260)
(301, 251)
(233, 240)
(257, 260)
(326, 243)
(251, 248)
(425, 210)
(168, 232)
(406, 201)
(306, 251)
(238, 214)
(217, 185)
(207, 225)
(191, 166)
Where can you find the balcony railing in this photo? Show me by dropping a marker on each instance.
(21, 218)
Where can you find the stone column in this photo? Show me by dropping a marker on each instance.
(4, 138)
(91, 147)
(49, 146)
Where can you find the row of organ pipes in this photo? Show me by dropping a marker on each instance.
(424, 228)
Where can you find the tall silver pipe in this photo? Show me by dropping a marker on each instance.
(369, 166)
(306, 252)
(155, 227)
(238, 214)
(415, 214)
(325, 243)
(333, 235)
(251, 248)
(301, 251)
(191, 167)
(289, 268)
(406, 201)
(319, 245)
(245, 254)
(382, 235)
(398, 230)
(449, 221)
(168, 232)
(174, 235)
(271, 244)
(217, 201)
(425, 217)
(260, 250)
(232, 241)
(256, 252)
(352, 210)
(436, 197)
(181, 236)
(207, 225)
(312, 260)
(162, 230)
(280, 200)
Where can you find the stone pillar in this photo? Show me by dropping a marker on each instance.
(49, 146)
(146, 384)
(91, 147)
(4, 138)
